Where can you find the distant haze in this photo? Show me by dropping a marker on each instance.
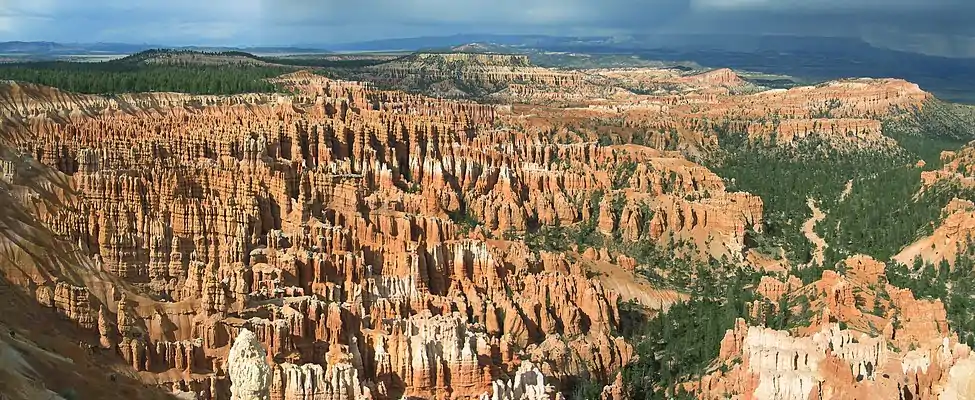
(934, 27)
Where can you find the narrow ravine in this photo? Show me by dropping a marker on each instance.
(808, 229)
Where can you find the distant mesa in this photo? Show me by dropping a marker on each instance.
(193, 57)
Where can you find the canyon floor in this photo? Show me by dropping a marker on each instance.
(474, 226)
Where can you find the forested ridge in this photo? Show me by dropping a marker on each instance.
(132, 75)
(885, 210)
(137, 73)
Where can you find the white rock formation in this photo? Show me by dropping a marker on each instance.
(960, 385)
(529, 384)
(247, 368)
(312, 382)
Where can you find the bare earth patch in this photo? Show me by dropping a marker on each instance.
(808, 229)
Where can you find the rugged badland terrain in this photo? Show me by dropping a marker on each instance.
(606, 233)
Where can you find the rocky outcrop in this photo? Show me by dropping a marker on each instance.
(843, 132)
(718, 77)
(960, 384)
(70, 301)
(950, 239)
(247, 368)
(500, 76)
(952, 236)
(615, 391)
(528, 384)
(312, 381)
(845, 351)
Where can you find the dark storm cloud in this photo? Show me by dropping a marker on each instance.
(431, 17)
(937, 27)
(939, 23)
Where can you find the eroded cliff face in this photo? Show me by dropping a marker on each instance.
(959, 166)
(319, 225)
(357, 239)
(948, 240)
(49, 333)
(667, 108)
(952, 235)
(867, 339)
(503, 77)
(846, 115)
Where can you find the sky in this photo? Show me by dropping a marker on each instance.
(932, 26)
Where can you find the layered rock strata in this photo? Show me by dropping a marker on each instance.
(363, 238)
(356, 233)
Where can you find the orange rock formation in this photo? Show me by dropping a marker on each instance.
(328, 227)
(321, 223)
(868, 340)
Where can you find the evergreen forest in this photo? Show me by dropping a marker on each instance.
(133, 75)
